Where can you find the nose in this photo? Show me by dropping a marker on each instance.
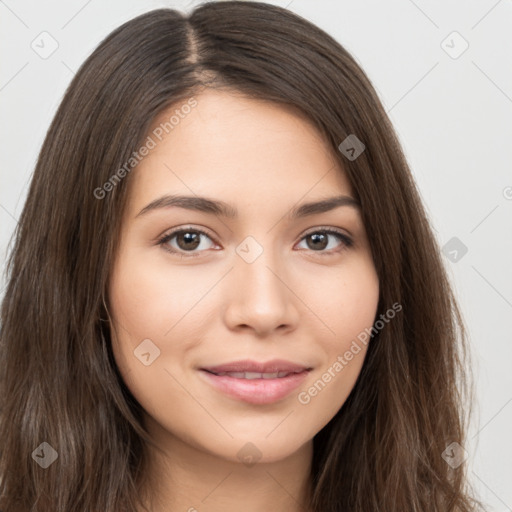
(260, 297)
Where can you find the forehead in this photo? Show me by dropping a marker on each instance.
(237, 148)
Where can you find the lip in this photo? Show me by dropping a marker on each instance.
(247, 365)
(259, 390)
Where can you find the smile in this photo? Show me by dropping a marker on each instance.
(254, 375)
(258, 388)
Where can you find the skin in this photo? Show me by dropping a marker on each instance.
(297, 301)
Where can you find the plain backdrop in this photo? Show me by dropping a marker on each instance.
(443, 72)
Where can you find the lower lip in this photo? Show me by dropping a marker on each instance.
(256, 391)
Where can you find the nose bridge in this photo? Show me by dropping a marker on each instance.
(256, 267)
(259, 296)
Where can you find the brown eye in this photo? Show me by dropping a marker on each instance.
(186, 241)
(318, 241)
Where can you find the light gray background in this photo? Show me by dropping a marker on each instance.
(453, 114)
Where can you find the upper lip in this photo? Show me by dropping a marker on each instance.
(276, 365)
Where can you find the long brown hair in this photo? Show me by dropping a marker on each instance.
(383, 450)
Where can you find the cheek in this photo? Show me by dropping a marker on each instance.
(149, 300)
(149, 309)
(345, 305)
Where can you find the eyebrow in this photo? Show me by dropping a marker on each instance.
(222, 209)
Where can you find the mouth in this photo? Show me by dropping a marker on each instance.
(256, 383)
(253, 375)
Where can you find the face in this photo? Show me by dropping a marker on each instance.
(230, 323)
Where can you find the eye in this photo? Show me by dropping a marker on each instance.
(319, 240)
(187, 240)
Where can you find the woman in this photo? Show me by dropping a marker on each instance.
(224, 290)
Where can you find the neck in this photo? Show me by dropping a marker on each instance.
(189, 479)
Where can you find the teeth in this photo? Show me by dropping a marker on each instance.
(255, 375)
(251, 375)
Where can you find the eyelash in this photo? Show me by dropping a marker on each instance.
(347, 241)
